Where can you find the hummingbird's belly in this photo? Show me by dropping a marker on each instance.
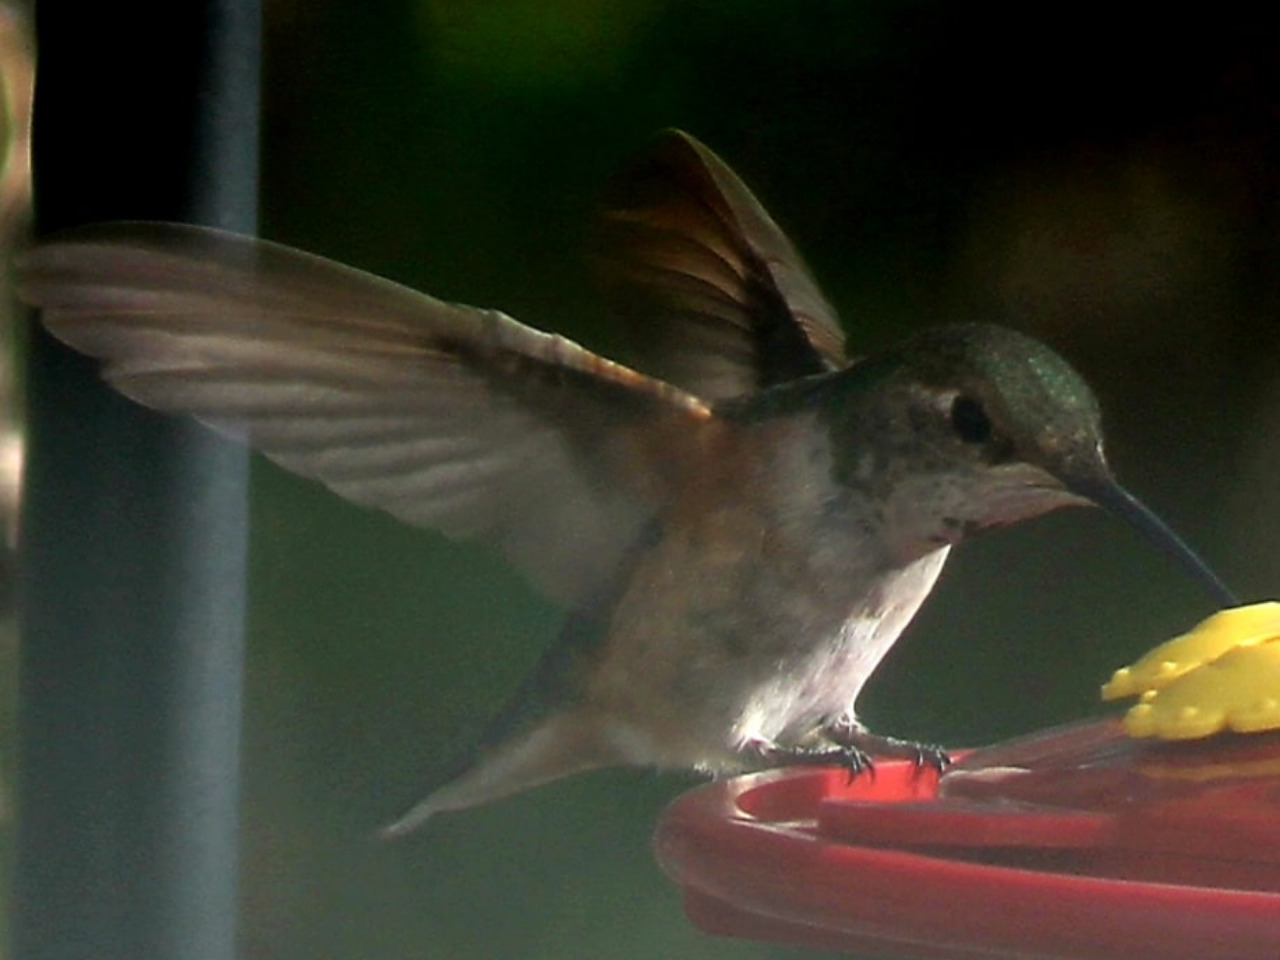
(701, 670)
(786, 706)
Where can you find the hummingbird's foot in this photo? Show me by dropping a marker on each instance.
(852, 735)
(851, 757)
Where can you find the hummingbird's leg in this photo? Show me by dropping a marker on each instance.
(767, 756)
(850, 734)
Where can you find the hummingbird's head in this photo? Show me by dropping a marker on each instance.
(1007, 409)
(977, 426)
(972, 426)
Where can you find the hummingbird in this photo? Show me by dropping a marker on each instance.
(738, 535)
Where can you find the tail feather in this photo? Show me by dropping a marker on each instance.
(542, 734)
(553, 748)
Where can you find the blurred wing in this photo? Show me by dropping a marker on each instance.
(444, 415)
(719, 299)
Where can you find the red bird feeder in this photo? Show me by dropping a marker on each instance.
(1080, 843)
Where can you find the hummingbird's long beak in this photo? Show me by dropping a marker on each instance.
(1106, 493)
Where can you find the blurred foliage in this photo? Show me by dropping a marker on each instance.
(1106, 183)
(532, 45)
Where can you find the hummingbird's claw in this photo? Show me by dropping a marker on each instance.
(851, 757)
(851, 735)
(855, 761)
(931, 755)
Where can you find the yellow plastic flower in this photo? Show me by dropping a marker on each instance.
(1223, 675)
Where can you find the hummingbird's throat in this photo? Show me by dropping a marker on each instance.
(927, 512)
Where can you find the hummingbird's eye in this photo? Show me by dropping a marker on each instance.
(969, 420)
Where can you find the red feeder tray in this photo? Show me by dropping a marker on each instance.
(1075, 844)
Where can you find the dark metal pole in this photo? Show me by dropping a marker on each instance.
(134, 525)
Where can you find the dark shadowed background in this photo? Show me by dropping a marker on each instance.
(1107, 184)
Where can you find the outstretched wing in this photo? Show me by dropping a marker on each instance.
(720, 301)
(444, 415)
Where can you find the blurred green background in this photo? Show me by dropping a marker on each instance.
(1109, 185)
